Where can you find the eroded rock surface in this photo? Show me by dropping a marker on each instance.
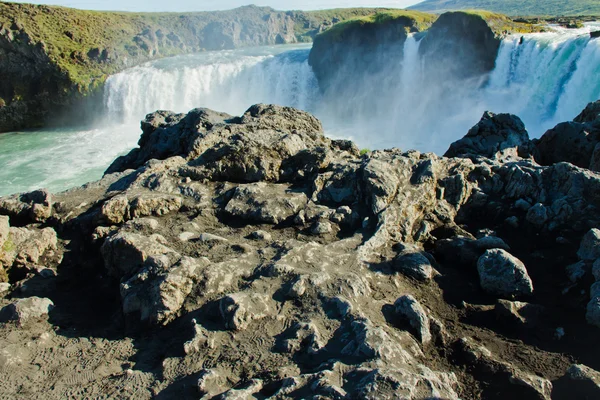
(303, 268)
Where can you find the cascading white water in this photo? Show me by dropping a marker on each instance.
(227, 81)
(544, 78)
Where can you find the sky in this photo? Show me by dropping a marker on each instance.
(210, 5)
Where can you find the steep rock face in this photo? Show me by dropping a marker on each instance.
(455, 46)
(576, 142)
(459, 46)
(252, 256)
(361, 47)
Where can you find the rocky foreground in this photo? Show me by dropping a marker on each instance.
(252, 257)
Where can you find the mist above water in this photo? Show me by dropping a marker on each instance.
(544, 78)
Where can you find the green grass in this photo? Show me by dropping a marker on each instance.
(501, 24)
(364, 151)
(70, 36)
(419, 20)
(515, 7)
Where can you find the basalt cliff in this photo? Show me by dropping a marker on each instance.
(252, 257)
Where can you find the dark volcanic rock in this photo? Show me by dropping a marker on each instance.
(459, 45)
(574, 142)
(495, 136)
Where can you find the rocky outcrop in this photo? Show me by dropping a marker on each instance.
(253, 256)
(459, 45)
(360, 45)
(576, 142)
(499, 136)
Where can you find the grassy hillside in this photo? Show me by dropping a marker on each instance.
(412, 20)
(515, 7)
(51, 55)
(75, 40)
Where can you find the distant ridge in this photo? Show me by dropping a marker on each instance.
(515, 7)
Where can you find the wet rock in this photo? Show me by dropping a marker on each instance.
(26, 310)
(408, 307)
(264, 203)
(593, 308)
(590, 113)
(495, 136)
(415, 265)
(590, 245)
(34, 206)
(577, 271)
(464, 251)
(596, 270)
(502, 274)
(595, 161)
(572, 142)
(239, 310)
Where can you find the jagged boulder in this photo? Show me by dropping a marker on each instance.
(580, 382)
(591, 113)
(158, 291)
(590, 246)
(26, 310)
(408, 307)
(125, 253)
(29, 207)
(29, 246)
(240, 309)
(574, 142)
(496, 136)
(502, 274)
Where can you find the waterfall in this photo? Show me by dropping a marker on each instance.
(544, 78)
(227, 81)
